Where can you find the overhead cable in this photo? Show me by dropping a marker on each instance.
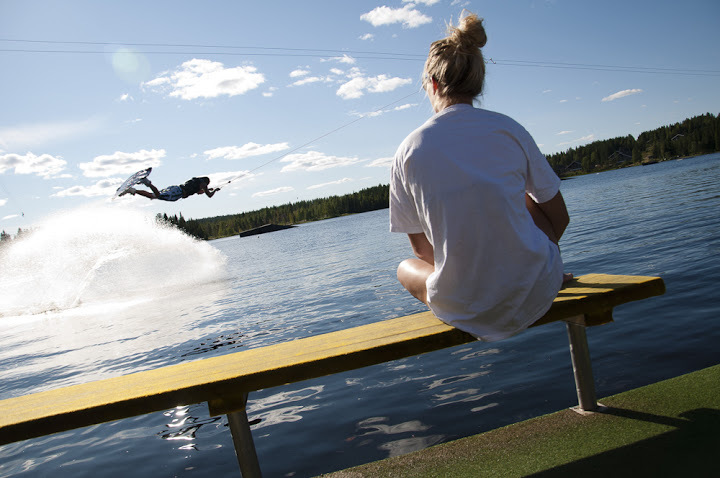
(323, 53)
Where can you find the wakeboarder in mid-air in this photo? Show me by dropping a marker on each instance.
(200, 185)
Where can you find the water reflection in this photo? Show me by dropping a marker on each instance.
(374, 426)
(388, 383)
(475, 353)
(441, 382)
(270, 410)
(228, 341)
(409, 445)
(282, 415)
(400, 446)
(389, 375)
(184, 426)
(102, 340)
(469, 395)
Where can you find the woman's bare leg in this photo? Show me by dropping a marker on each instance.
(412, 274)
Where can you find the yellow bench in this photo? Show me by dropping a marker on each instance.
(224, 382)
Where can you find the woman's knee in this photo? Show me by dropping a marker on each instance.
(413, 274)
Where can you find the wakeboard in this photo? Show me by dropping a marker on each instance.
(132, 181)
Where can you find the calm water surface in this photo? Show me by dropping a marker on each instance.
(144, 297)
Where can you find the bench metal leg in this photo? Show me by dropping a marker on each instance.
(244, 445)
(582, 368)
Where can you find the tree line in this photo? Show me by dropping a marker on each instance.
(692, 137)
(369, 199)
(6, 238)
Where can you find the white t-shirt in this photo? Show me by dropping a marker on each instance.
(461, 179)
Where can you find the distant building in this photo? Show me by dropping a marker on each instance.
(572, 167)
(619, 157)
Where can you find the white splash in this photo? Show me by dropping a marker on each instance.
(100, 254)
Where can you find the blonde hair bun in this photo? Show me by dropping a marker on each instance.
(469, 34)
(457, 62)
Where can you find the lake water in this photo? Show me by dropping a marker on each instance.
(101, 292)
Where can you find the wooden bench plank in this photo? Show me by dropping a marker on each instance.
(596, 294)
(220, 380)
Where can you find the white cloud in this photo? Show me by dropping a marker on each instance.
(331, 183)
(353, 82)
(122, 163)
(308, 80)
(372, 114)
(621, 94)
(198, 78)
(356, 87)
(159, 81)
(381, 163)
(45, 165)
(33, 135)
(270, 91)
(426, 2)
(104, 187)
(11, 216)
(245, 151)
(348, 60)
(299, 72)
(584, 139)
(563, 132)
(3, 202)
(126, 97)
(273, 192)
(407, 15)
(315, 161)
(367, 37)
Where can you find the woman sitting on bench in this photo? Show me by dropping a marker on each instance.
(481, 205)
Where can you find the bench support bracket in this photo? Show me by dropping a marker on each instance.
(243, 441)
(582, 368)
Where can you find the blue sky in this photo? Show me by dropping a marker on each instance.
(294, 100)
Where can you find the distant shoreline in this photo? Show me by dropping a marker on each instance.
(632, 165)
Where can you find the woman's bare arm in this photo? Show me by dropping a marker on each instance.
(551, 217)
(422, 248)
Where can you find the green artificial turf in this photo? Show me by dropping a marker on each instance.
(671, 428)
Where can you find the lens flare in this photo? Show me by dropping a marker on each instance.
(130, 66)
